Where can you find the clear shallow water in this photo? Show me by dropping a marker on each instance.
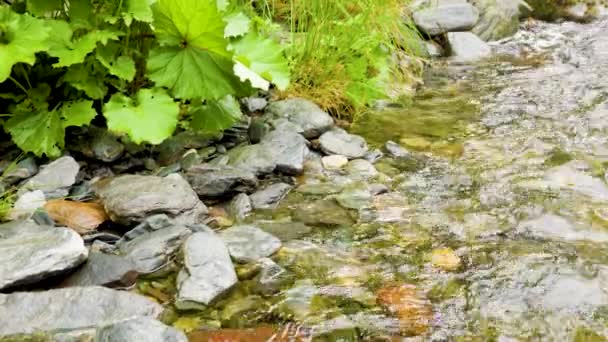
(496, 230)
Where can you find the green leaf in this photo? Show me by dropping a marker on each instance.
(193, 60)
(87, 77)
(141, 10)
(37, 132)
(151, 118)
(41, 7)
(216, 116)
(122, 66)
(77, 113)
(21, 36)
(237, 24)
(263, 56)
(71, 50)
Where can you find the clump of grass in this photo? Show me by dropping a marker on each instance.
(345, 54)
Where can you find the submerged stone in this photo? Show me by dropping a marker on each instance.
(249, 243)
(323, 212)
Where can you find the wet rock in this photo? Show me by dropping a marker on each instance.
(249, 243)
(55, 178)
(271, 277)
(407, 303)
(378, 189)
(106, 147)
(549, 226)
(361, 169)
(433, 49)
(336, 329)
(254, 104)
(70, 308)
(131, 198)
(285, 230)
(443, 18)
(79, 216)
(386, 208)
(306, 116)
(373, 156)
(338, 141)
(323, 212)
(24, 169)
(151, 251)
(253, 158)
(354, 198)
(396, 151)
(105, 270)
(240, 207)
(29, 253)
(498, 20)
(570, 177)
(297, 302)
(270, 196)
(190, 159)
(288, 150)
(466, 47)
(26, 205)
(139, 329)
(445, 259)
(172, 149)
(334, 162)
(219, 181)
(208, 271)
(320, 189)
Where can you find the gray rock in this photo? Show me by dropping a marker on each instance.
(249, 243)
(254, 104)
(288, 149)
(334, 162)
(569, 177)
(270, 196)
(320, 189)
(361, 169)
(29, 253)
(253, 158)
(24, 169)
(208, 271)
(190, 159)
(309, 119)
(443, 18)
(285, 230)
(71, 308)
(219, 181)
(240, 206)
(397, 151)
(323, 212)
(338, 141)
(26, 205)
(151, 251)
(106, 147)
(131, 198)
(499, 19)
(433, 49)
(139, 329)
(466, 47)
(257, 130)
(551, 226)
(373, 156)
(55, 178)
(105, 270)
(271, 277)
(354, 198)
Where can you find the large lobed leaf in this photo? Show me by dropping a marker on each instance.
(21, 36)
(216, 116)
(151, 118)
(193, 60)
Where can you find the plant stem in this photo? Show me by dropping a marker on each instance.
(18, 84)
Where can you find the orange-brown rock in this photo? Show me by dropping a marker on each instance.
(79, 216)
(409, 305)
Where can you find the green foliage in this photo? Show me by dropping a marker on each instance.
(144, 63)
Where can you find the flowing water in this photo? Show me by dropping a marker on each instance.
(494, 229)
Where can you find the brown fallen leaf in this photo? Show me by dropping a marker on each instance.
(80, 216)
(409, 305)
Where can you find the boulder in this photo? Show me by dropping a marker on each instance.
(131, 198)
(270, 196)
(249, 243)
(208, 271)
(105, 270)
(446, 17)
(466, 47)
(219, 181)
(310, 120)
(288, 149)
(256, 159)
(55, 178)
(70, 308)
(139, 329)
(499, 18)
(338, 141)
(334, 162)
(29, 253)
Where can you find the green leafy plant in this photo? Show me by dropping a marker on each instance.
(142, 66)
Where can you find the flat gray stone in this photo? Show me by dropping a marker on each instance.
(361, 169)
(55, 178)
(443, 18)
(499, 19)
(70, 308)
(105, 270)
(249, 243)
(466, 47)
(338, 141)
(143, 329)
(554, 227)
(253, 158)
(288, 149)
(310, 120)
(151, 251)
(219, 181)
(270, 196)
(29, 253)
(208, 272)
(131, 198)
